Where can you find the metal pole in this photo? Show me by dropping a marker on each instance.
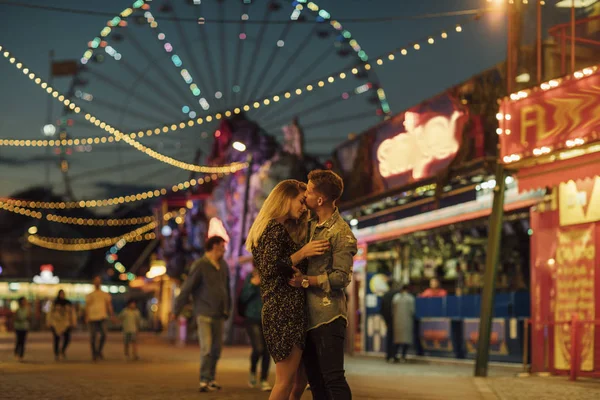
(489, 277)
(49, 117)
(245, 212)
(572, 36)
(539, 41)
(526, 345)
(509, 77)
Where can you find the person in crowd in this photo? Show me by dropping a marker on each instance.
(61, 320)
(98, 308)
(252, 308)
(403, 307)
(434, 289)
(275, 241)
(131, 319)
(21, 325)
(208, 284)
(387, 312)
(328, 276)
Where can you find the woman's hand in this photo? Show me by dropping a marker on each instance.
(315, 248)
(296, 280)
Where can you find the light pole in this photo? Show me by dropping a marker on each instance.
(241, 147)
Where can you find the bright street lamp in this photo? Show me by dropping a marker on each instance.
(49, 130)
(239, 146)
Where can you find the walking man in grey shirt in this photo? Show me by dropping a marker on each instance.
(208, 284)
(327, 277)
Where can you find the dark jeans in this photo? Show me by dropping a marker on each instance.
(20, 346)
(391, 349)
(259, 349)
(97, 327)
(66, 339)
(323, 360)
(210, 335)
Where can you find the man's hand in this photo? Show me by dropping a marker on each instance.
(297, 279)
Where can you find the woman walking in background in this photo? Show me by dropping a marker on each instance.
(275, 240)
(21, 328)
(61, 320)
(251, 305)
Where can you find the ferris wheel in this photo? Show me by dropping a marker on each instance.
(167, 72)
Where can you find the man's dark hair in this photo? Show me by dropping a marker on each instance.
(131, 301)
(327, 183)
(212, 241)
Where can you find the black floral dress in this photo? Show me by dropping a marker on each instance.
(283, 315)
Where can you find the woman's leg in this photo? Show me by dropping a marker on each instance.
(266, 357)
(285, 373)
(299, 383)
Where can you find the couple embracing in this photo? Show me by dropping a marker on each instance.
(304, 266)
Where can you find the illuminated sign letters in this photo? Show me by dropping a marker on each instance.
(420, 145)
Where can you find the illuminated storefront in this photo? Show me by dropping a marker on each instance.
(419, 191)
(551, 135)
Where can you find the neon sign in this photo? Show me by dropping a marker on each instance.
(421, 144)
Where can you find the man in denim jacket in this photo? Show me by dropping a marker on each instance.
(327, 277)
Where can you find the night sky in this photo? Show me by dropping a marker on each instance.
(124, 99)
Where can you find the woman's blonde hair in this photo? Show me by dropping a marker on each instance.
(276, 206)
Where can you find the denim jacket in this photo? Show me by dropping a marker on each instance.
(327, 301)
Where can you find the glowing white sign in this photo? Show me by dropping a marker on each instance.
(419, 146)
(46, 277)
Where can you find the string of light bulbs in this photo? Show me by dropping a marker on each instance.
(129, 139)
(111, 201)
(104, 242)
(287, 94)
(74, 220)
(80, 244)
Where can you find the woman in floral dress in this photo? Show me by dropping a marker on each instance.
(275, 240)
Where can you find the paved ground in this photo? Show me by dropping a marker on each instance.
(167, 372)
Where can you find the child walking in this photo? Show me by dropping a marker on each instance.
(131, 318)
(21, 328)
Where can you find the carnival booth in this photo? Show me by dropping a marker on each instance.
(418, 196)
(550, 135)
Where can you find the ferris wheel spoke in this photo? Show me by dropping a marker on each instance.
(288, 62)
(256, 52)
(119, 87)
(177, 88)
(141, 76)
(307, 111)
(197, 71)
(306, 72)
(203, 30)
(226, 90)
(266, 68)
(238, 55)
(113, 107)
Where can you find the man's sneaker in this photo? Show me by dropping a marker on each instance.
(214, 385)
(252, 380)
(265, 387)
(205, 387)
